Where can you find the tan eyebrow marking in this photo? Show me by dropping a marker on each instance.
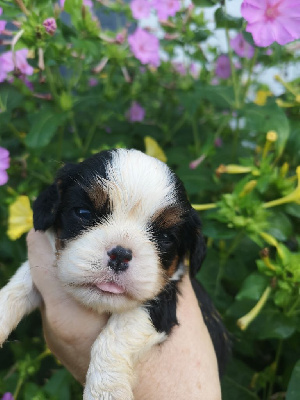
(173, 267)
(97, 194)
(167, 217)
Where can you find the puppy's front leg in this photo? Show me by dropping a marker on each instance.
(126, 337)
(17, 298)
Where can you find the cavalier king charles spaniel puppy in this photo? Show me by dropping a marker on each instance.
(124, 234)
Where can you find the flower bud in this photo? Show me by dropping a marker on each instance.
(248, 187)
(50, 26)
(272, 136)
(246, 320)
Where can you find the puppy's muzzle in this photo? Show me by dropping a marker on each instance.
(119, 259)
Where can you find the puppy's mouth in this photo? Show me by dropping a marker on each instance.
(110, 287)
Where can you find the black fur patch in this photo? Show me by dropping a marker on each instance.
(213, 321)
(162, 309)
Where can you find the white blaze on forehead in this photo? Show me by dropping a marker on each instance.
(137, 181)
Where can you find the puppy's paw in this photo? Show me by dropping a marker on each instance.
(4, 330)
(99, 392)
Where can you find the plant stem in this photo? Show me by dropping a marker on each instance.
(52, 87)
(22, 7)
(294, 306)
(233, 72)
(77, 139)
(250, 71)
(196, 135)
(277, 357)
(19, 384)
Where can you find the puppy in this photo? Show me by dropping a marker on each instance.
(122, 227)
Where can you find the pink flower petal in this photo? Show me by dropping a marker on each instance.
(272, 20)
(145, 47)
(140, 8)
(3, 177)
(2, 26)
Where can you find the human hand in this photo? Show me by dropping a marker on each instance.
(183, 366)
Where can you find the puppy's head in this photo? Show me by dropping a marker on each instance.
(123, 226)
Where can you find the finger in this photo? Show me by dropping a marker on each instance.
(42, 264)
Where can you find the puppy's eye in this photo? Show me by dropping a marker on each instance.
(83, 213)
(166, 238)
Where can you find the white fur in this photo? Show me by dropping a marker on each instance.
(139, 184)
(138, 187)
(85, 261)
(17, 298)
(123, 342)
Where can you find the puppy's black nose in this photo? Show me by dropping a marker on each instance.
(119, 258)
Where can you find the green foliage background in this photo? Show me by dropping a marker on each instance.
(65, 119)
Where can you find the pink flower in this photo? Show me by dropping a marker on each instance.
(21, 62)
(241, 46)
(2, 23)
(120, 37)
(145, 47)
(194, 70)
(136, 112)
(223, 69)
(140, 8)
(93, 82)
(50, 26)
(2, 26)
(7, 396)
(218, 142)
(179, 67)
(166, 8)
(7, 63)
(272, 20)
(4, 165)
(194, 164)
(215, 81)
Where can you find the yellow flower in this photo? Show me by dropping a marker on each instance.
(261, 97)
(272, 136)
(232, 169)
(285, 104)
(20, 218)
(248, 188)
(293, 197)
(200, 207)
(153, 149)
(244, 321)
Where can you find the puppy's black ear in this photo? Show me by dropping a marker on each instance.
(47, 203)
(197, 243)
(45, 208)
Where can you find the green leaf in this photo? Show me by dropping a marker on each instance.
(219, 96)
(266, 118)
(224, 20)
(293, 209)
(59, 385)
(293, 390)
(272, 324)
(43, 127)
(253, 287)
(71, 6)
(205, 3)
(217, 230)
(10, 97)
(280, 226)
(32, 391)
